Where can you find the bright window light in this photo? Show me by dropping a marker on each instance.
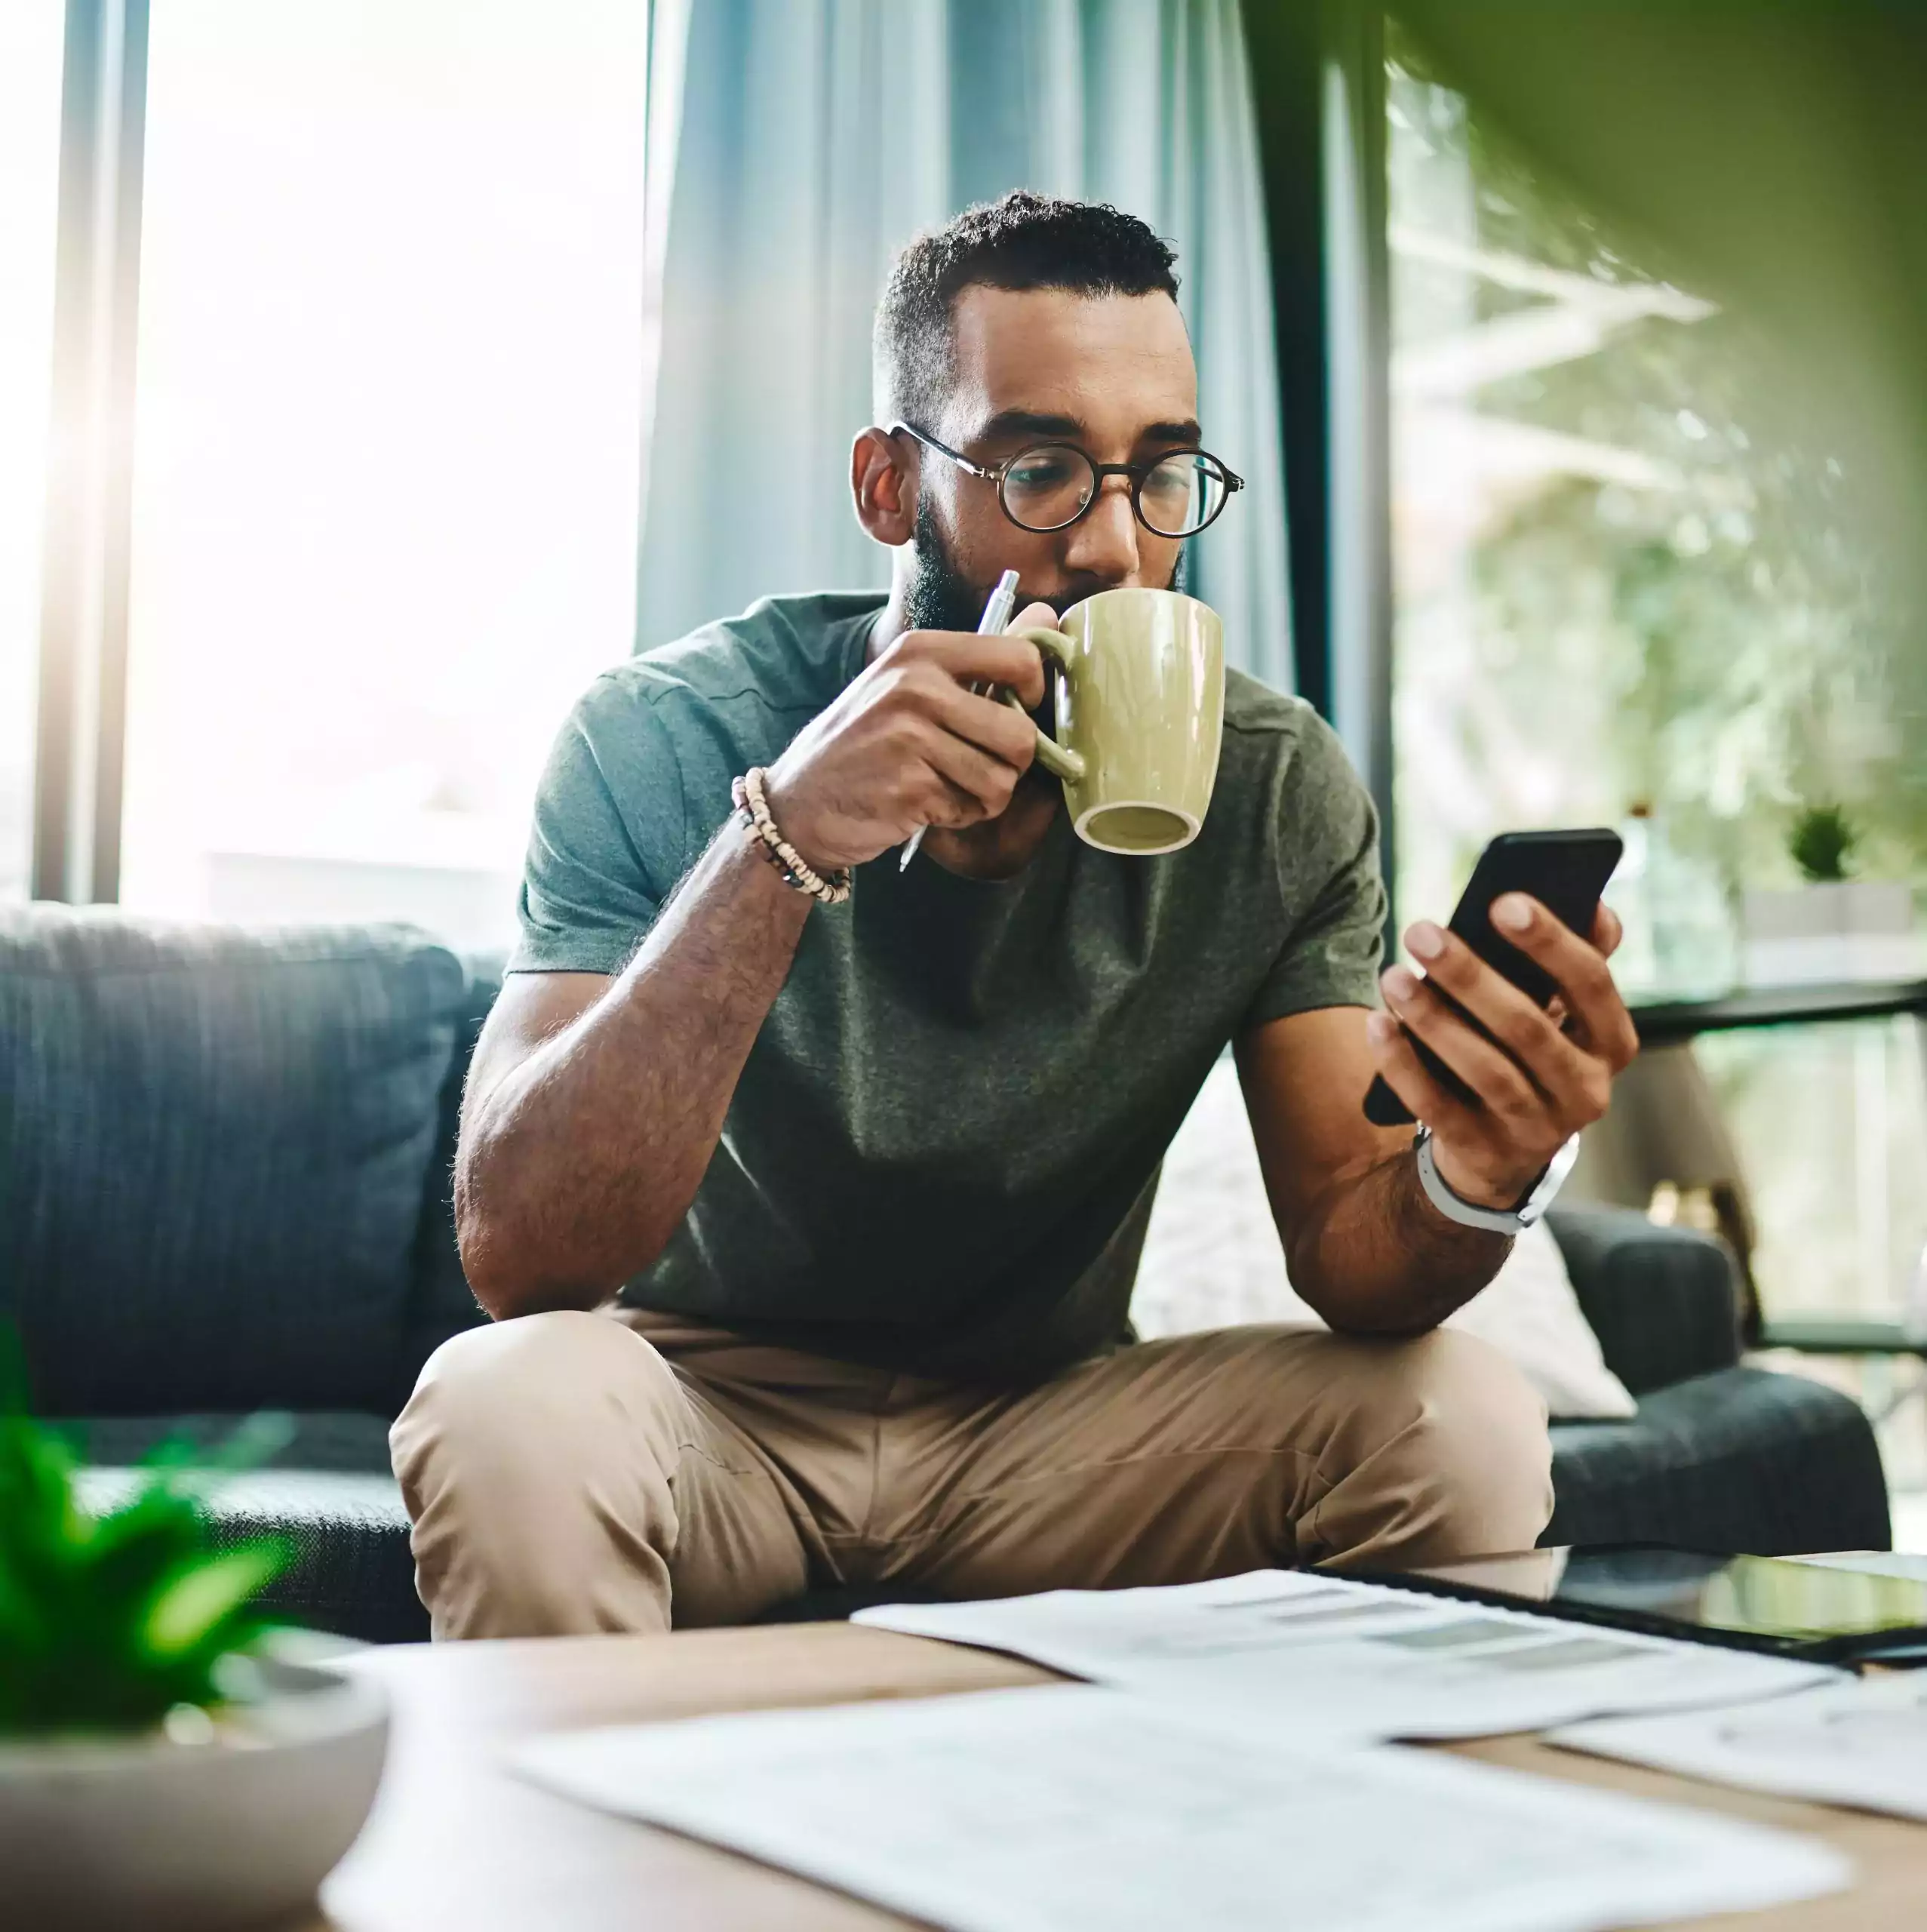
(29, 170)
(387, 444)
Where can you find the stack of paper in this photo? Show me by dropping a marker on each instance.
(1353, 1661)
(1071, 1810)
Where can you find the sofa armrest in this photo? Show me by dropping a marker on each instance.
(1663, 1301)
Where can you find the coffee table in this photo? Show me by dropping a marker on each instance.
(457, 1844)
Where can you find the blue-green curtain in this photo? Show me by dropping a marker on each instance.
(810, 139)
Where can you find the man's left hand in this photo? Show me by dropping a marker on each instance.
(1542, 1076)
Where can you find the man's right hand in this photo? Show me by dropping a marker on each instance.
(909, 743)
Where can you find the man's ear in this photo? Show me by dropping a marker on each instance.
(883, 485)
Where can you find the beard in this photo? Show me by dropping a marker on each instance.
(941, 597)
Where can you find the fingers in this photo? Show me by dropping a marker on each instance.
(1598, 1018)
(1408, 1076)
(929, 707)
(1488, 1153)
(1555, 1064)
(975, 749)
(976, 784)
(952, 806)
(1539, 1077)
(967, 659)
(1503, 1085)
(1607, 931)
(982, 720)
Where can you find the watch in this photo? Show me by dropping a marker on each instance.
(1494, 1220)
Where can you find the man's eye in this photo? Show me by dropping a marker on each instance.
(1041, 473)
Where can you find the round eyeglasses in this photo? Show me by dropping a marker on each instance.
(1049, 486)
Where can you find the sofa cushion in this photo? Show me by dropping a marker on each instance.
(1742, 1460)
(352, 1573)
(214, 1145)
(441, 1303)
(327, 1489)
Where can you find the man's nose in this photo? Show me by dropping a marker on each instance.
(1104, 543)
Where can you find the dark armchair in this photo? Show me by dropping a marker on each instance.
(1720, 1456)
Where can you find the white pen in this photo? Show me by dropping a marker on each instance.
(997, 614)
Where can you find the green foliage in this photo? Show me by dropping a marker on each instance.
(1822, 843)
(1722, 637)
(108, 1621)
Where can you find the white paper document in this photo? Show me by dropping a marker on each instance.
(1359, 1661)
(1863, 1743)
(1071, 1809)
(1910, 1564)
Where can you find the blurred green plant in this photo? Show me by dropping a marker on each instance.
(1706, 623)
(110, 1622)
(1821, 844)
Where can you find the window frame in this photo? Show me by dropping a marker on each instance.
(80, 653)
(80, 721)
(1319, 97)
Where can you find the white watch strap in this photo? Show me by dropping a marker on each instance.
(1494, 1220)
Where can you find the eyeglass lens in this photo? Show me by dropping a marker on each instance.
(1183, 494)
(1047, 487)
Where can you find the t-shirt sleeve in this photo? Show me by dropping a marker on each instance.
(606, 845)
(1328, 857)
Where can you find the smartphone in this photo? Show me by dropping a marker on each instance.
(1566, 872)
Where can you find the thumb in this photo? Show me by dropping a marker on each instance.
(1036, 615)
(1607, 930)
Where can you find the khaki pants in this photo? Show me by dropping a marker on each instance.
(576, 1472)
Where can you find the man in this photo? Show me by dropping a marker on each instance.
(869, 1179)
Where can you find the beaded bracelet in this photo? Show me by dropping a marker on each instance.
(760, 830)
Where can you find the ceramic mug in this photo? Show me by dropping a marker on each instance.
(1140, 715)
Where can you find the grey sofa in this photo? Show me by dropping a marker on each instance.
(224, 1163)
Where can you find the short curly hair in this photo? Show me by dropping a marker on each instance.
(1024, 240)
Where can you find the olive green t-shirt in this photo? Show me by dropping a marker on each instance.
(942, 1152)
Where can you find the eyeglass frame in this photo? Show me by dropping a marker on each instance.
(1139, 472)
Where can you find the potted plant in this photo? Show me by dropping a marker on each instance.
(162, 1762)
(1833, 926)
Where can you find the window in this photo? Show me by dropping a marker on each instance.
(1628, 590)
(30, 39)
(387, 444)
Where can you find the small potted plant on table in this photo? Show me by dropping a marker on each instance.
(1833, 926)
(161, 1765)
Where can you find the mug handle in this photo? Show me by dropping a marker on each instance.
(1052, 755)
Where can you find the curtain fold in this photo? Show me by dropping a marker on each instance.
(812, 139)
